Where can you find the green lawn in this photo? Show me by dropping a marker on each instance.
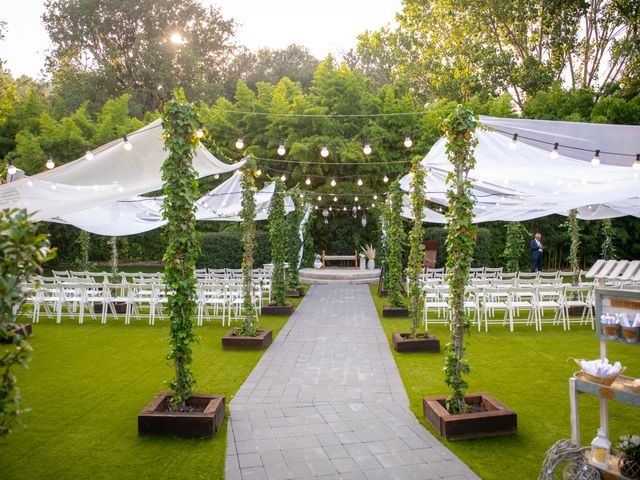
(529, 372)
(85, 387)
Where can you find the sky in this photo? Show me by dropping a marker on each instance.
(327, 27)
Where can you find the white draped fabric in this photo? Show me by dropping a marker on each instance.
(113, 174)
(525, 182)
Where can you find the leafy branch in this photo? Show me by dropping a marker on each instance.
(416, 252)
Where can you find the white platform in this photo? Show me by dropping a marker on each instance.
(332, 275)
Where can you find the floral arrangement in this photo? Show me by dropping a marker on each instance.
(369, 252)
(630, 446)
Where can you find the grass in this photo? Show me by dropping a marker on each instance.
(529, 372)
(87, 384)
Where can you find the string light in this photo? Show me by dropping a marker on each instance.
(127, 144)
(355, 198)
(407, 141)
(29, 183)
(283, 177)
(216, 176)
(595, 161)
(359, 182)
(301, 195)
(513, 143)
(636, 163)
(554, 152)
(281, 149)
(373, 205)
(11, 169)
(240, 142)
(324, 153)
(344, 209)
(50, 163)
(53, 186)
(367, 146)
(259, 172)
(316, 207)
(335, 199)
(200, 131)
(385, 179)
(308, 181)
(375, 197)
(319, 198)
(89, 155)
(333, 182)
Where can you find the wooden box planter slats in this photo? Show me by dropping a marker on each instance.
(497, 420)
(299, 292)
(403, 343)
(24, 329)
(154, 420)
(120, 307)
(234, 342)
(280, 310)
(390, 312)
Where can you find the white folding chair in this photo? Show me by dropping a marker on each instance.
(493, 300)
(578, 297)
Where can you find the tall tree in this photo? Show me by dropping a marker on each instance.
(144, 47)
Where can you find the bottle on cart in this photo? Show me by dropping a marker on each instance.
(600, 449)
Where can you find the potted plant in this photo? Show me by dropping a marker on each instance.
(248, 337)
(416, 341)
(181, 412)
(370, 253)
(459, 415)
(393, 260)
(629, 462)
(278, 236)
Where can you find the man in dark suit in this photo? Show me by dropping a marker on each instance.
(537, 251)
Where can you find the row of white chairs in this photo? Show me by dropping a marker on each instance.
(481, 304)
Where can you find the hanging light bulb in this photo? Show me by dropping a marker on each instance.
(373, 205)
(259, 172)
(554, 152)
(11, 169)
(595, 161)
(319, 198)
(89, 155)
(636, 163)
(363, 221)
(308, 181)
(385, 179)
(335, 199)
(333, 182)
(127, 144)
(29, 183)
(355, 198)
(375, 197)
(200, 131)
(344, 209)
(358, 207)
(367, 146)
(50, 163)
(359, 182)
(513, 143)
(281, 149)
(53, 186)
(240, 142)
(324, 153)
(407, 141)
(316, 207)
(216, 176)
(301, 195)
(283, 177)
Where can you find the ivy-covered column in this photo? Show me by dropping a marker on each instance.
(574, 233)
(395, 240)
(608, 249)
(459, 128)
(416, 242)
(278, 236)
(514, 246)
(84, 243)
(248, 229)
(180, 122)
(294, 220)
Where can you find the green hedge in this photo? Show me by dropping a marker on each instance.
(224, 250)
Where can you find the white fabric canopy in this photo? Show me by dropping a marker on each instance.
(525, 182)
(113, 174)
(142, 214)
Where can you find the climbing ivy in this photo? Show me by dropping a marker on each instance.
(278, 235)
(514, 246)
(114, 258)
(395, 241)
(248, 229)
(459, 129)
(574, 233)
(608, 250)
(293, 240)
(180, 122)
(416, 252)
(84, 243)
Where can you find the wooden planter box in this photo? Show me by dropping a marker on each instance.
(259, 342)
(577, 311)
(24, 329)
(498, 420)
(280, 310)
(295, 293)
(402, 343)
(120, 307)
(154, 420)
(388, 311)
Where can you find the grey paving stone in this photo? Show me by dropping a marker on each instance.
(326, 401)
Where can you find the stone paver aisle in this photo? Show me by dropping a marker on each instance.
(326, 401)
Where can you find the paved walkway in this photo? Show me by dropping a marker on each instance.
(326, 401)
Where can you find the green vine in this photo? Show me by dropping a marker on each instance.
(395, 241)
(293, 240)
(23, 251)
(608, 250)
(574, 233)
(459, 128)
(180, 121)
(416, 243)
(114, 258)
(248, 229)
(278, 236)
(514, 246)
(84, 244)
